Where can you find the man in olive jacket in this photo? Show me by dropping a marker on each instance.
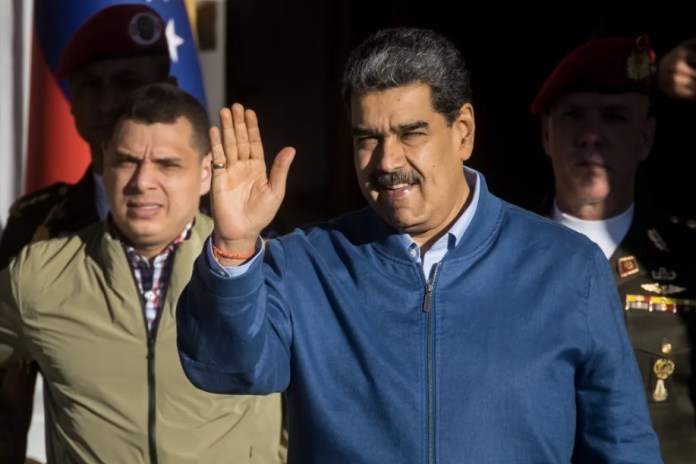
(96, 310)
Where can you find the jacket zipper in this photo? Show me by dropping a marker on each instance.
(151, 335)
(427, 308)
(151, 398)
(151, 381)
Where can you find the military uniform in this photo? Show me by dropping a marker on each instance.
(655, 274)
(50, 212)
(657, 284)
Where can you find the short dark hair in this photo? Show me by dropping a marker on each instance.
(401, 56)
(163, 102)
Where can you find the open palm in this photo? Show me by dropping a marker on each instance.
(244, 196)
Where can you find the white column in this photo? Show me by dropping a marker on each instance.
(212, 58)
(15, 60)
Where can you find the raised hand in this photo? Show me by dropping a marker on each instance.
(244, 197)
(676, 72)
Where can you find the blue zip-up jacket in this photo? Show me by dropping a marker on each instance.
(514, 352)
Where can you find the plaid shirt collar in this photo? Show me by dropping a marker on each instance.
(130, 250)
(151, 276)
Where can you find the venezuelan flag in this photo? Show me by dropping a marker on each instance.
(55, 151)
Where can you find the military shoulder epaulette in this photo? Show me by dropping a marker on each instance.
(38, 197)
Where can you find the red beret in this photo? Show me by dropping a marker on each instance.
(608, 65)
(117, 31)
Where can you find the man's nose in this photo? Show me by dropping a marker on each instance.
(144, 176)
(109, 99)
(391, 155)
(590, 134)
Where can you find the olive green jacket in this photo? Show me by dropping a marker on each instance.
(113, 394)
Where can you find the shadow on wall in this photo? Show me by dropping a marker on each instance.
(286, 63)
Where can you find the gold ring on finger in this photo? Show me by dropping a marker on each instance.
(218, 165)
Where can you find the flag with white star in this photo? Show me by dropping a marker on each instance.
(55, 150)
(56, 21)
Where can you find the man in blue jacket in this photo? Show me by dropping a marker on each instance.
(438, 325)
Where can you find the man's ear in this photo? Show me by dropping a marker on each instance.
(105, 147)
(545, 133)
(466, 126)
(647, 137)
(206, 174)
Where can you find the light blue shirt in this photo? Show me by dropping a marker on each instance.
(434, 255)
(449, 240)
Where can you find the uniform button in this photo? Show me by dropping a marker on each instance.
(666, 348)
(412, 252)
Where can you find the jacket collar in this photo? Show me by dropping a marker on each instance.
(111, 257)
(480, 233)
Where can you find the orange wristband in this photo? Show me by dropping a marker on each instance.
(223, 254)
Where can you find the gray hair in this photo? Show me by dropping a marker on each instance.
(401, 56)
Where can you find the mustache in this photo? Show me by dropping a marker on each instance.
(390, 179)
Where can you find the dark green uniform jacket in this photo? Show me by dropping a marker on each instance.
(50, 212)
(655, 273)
(657, 283)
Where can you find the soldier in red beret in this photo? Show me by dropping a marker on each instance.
(115, 51)
(597, 127)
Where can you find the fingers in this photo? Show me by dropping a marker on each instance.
(679, 82)
(217, 151)
(278, 176)
(229, 138)
(239, 138)
(683, 68)
(255, 145)
(241, 132)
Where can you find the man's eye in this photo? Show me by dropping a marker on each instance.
(366, 140)
(616, 117)
(570, 114)
(129, 83)
(411, 135)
